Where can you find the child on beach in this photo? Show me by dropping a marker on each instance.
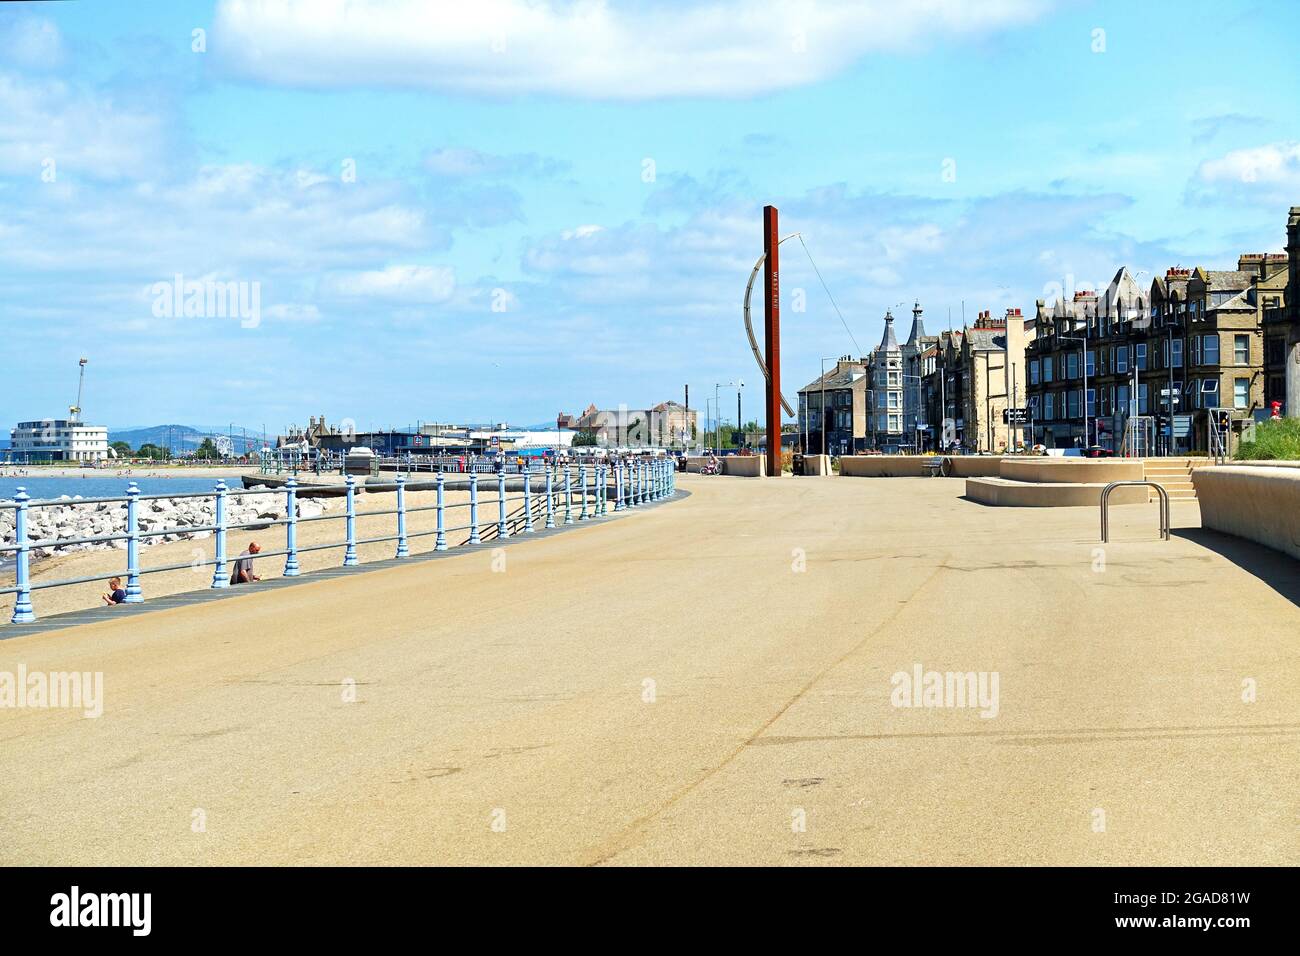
(115, 593)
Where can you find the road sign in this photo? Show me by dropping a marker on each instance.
(1015, 416)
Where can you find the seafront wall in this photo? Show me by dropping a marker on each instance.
(1258, 502)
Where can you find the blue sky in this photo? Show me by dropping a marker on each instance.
(555, 204)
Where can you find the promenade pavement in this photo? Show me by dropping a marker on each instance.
(705, 682)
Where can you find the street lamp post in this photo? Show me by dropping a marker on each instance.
(1084, 358)
(821, 411)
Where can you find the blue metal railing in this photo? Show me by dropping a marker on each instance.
(634, 482)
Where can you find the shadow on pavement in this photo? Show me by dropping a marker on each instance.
(1279, 571)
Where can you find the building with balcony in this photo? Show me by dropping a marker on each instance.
(58, 440)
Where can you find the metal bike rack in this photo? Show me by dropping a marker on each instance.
(1105, 514)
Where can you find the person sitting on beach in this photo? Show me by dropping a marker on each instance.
(243, 573)
(115, 593)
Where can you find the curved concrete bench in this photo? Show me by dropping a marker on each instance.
(745, 466)
(884, 466)
(974, 466)
(1048, 494)
(1258, 502)
(1077, 471)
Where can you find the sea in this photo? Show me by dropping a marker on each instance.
(98, 486)
(105, 486)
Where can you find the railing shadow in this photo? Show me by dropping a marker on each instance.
(1279, 571)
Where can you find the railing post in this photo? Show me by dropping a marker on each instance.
(600, 489)
(582, 483)
(219, 576)
(550, 498)
(568, 495)
(440, 539)
(350, 552)
(403, 549)
(474, 537)
(291, 528)
(528, 501)
(618, 486)
(23, 612)
(133, 594)
(502, 530)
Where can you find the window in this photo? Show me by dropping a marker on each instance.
(1049, 406)
(1210, 350)
(1071, 364)
(1140, 356)
(1092, 402)
(1033, 372)
(1048, 364)
(881, 399)
(1034, 407)
(1143, 404)
(895, 423)
(1121, 358)
(1274, 351)
(893, 378)
(1209, 393)
(1176, 354)
(1241, 393)
(1092, 363)
(1241, 349)
(1122, 400)
(893, 399)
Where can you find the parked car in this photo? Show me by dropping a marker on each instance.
(1096, 451)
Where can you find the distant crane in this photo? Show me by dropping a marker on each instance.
(74, 411)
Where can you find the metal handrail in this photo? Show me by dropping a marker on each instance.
(554, 497)
(1105, 504)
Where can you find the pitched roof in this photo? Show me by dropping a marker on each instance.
(888, 343)
(841, 376)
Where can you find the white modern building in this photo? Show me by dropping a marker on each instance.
(58, 440)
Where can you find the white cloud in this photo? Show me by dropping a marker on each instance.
(85, 134)
(33, 43)
(1276, 163)
(1267, 174)
(586, 48)
(582, 232)
(459, 162)
(292, 312)
(398, 283)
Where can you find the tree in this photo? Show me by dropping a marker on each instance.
(152, 451)
(586, 438)
(122, 448)
(207, 451)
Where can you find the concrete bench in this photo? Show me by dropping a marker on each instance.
(1258, 502)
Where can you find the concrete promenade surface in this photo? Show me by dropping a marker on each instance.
(690, 684)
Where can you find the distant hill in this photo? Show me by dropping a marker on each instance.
(181, 438)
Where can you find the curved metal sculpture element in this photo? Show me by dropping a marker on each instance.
(749, 327)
